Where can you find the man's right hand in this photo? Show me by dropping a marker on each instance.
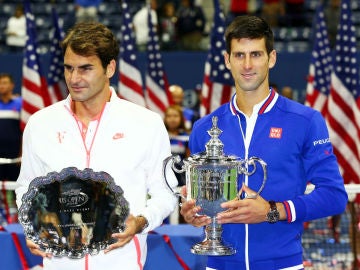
(35, 249)
(189, 210)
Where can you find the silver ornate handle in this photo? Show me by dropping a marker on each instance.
(174, 160)
(243, 168)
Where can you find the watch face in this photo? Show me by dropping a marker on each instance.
(273, 216)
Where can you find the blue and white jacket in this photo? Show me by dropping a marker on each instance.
(294, 142)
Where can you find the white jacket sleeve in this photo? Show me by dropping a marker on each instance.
(162, 201)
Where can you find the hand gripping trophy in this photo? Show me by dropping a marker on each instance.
(211, 179)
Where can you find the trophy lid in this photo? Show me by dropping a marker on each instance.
(214, 147)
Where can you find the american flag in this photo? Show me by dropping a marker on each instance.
(157, 86)
(344, 99)
(217, 86)
(57, 86)
(318, 87)
(33, 90)
(130, 80)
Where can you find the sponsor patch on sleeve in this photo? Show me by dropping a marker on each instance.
(321, 141)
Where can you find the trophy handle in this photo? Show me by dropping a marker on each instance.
(252, 162)
(173, 160)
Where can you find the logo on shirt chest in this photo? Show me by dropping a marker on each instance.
(118, 135)
(60, 136)
(275, 133)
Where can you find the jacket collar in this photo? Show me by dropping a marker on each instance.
(261, 108)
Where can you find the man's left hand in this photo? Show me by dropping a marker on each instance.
(133, 226)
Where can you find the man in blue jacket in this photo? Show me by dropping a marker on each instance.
(294, 142)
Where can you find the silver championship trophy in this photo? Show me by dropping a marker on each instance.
(211, 179)
(73, 212)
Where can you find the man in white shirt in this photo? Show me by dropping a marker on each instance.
(140, 23)
(16, 30)
(94, 128)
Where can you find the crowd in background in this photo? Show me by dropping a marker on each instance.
(181, 24)
(185, 24)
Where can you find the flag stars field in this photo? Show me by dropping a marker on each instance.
(130, 79)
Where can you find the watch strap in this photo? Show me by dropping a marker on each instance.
(273, 215)
(272, 205)
(146, 223)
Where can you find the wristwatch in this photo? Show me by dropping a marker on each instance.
(146, 223)
(273, 215)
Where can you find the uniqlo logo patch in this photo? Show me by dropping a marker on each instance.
(275, 133)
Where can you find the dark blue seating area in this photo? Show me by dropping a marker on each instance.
(295, 39)
(287, 39)
(109, 14)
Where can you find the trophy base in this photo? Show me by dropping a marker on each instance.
(212, 248)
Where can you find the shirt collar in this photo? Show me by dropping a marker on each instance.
(68, 99)
(261, 108)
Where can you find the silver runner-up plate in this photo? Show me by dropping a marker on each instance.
(73, 212)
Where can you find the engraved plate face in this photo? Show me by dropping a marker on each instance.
(74, 212)
(212, 185)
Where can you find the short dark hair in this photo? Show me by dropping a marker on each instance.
(249, 26)
(92, 38)
(7, 75)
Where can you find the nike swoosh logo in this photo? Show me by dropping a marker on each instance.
(118, 136)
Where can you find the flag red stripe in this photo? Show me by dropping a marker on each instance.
(129, 82)
(345, 136)
(154, 98)
(205, 99)
(349, 172)
(44, 92)
(31, 86)
(226, 94)
(58, 92)
(29, 108)
(311, 98)
(342, 104)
